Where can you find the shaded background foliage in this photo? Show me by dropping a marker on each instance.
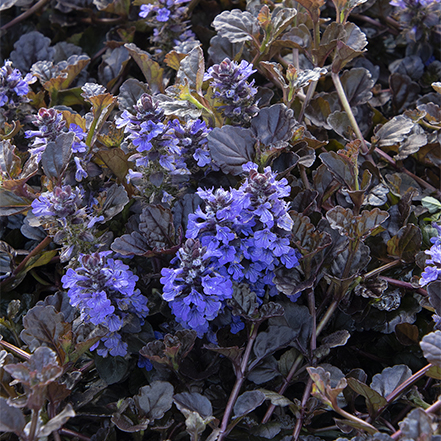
(121, 114)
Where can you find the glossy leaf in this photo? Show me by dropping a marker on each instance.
(111, 369)
(155, 399)
(390, 378)
(153, 73)
(192, 69)
(431, 346)
(231, 147)
(43, 325)
(434, 290)
(58, 421)
(355, 227)
(405, 244)
(374, 401)
(11, 418)
(273, 125)
(194, 402)
(247, 402)
(275, 338)
(56, 155)
(417, 426)
(236, 25)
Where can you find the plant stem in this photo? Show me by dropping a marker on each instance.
(379, 270)
(309, 93)
(400, 389)
(17, 351)
(284, 386)
(240, 378)
(25, 15)
(73, 434)
(348, 110)
(420, 181)
(328, 314)
(299, 422)
(41, 246)
(432, 409)
(405, 285)
(34, 423)
(370, 429)
(304, 177)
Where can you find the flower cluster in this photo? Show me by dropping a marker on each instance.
(13, 87)
(195, 289)
(192, 139)
(62, 214)
(432, 271)
(237, 95)
(171, 29)
(418, 17)
(50, 124)
(103, 289)
(163, 148)
(242, 236)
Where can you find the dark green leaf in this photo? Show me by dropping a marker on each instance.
(340, 123)
(299, 320)
(265, 371)
(340, 167)
(111, 369)
(156, 399)
(11, 418)
(374, 401)
(358, 261)
(390, 378)
(231, 147)
(236, 25)
(416, 139)
(244, 301)
(431, 346)
(275, 398)
(221, 48)
(355, 227)
(405, 244)
(194, 402)
(268, 430)
(182, 208)
(116, 200)
(394, 131)
(10, 163)
(275, 338)
(247, 402)
(56, 155)
(64, 73)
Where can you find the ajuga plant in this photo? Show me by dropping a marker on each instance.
(220, 220)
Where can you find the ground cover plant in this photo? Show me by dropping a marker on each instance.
(220, 220)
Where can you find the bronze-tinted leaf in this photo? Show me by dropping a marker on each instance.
(153, 73)
(405, 244)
